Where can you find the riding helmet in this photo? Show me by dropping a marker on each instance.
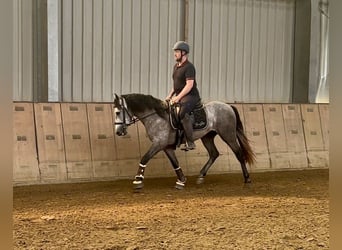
(181, 45)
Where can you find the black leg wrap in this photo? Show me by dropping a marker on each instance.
(180, 183)
(138, 180)
(180, 175)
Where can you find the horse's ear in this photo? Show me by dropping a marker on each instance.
(116, 98)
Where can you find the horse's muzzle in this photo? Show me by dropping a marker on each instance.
(121, 133)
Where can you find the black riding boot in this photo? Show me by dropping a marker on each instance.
(188, 131)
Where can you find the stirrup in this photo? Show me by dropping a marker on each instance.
(188, 147)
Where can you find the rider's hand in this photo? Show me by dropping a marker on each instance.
(174, 99)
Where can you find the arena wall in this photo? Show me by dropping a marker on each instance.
(75, 142)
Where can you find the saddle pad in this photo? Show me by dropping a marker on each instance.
(199, 118)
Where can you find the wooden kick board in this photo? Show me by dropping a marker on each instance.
(76, 133)
(295, 135)
(50, 141)
(274, 125)
(101, 132)
(324, 115)
(256, 133)
(25, 161)
(312, 127)
(102, 143)
(255, 127)
(76, 139)
(293, 128)
(276, 137)
(317, 155)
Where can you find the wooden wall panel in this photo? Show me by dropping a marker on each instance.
(312, 127)
(324, 115)
(101, 132)
(25, 158)
(255, 130)
(76, 139)
(313, 136)
(276, 137)
(50, 142)
(103, 152)
(295, 135)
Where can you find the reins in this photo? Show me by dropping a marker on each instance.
(173, 113)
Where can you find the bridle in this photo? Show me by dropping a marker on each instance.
(126, 114)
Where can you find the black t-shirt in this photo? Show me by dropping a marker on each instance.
(182, 73)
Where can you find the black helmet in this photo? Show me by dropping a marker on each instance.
(181, 45)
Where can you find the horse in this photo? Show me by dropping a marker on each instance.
(222, 119)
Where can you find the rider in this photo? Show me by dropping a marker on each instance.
(184, 89)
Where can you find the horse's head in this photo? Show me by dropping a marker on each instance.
(131, 108)
(122, 116)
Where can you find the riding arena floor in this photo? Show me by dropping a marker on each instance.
(278, 210)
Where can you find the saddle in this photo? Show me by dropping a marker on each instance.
(198, 117)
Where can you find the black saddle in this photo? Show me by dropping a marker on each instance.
(198, 117)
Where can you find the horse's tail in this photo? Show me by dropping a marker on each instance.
(243, 140)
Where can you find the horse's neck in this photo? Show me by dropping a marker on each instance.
(141, 115)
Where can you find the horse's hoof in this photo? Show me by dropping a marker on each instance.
(248, 180)
(247, 184)
(138, 184)
(200, 180)
(180, 185)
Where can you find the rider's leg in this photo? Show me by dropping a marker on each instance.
(188, 131)
(187, 105)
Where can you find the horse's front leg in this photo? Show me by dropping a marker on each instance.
(139, 177)
(181, 179)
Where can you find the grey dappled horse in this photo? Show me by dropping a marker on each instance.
(223, 119)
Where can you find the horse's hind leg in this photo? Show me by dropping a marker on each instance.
(239, 155)
(208, 142)
(235, 146)
(181, 179)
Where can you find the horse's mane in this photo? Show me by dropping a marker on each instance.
(138, 103)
